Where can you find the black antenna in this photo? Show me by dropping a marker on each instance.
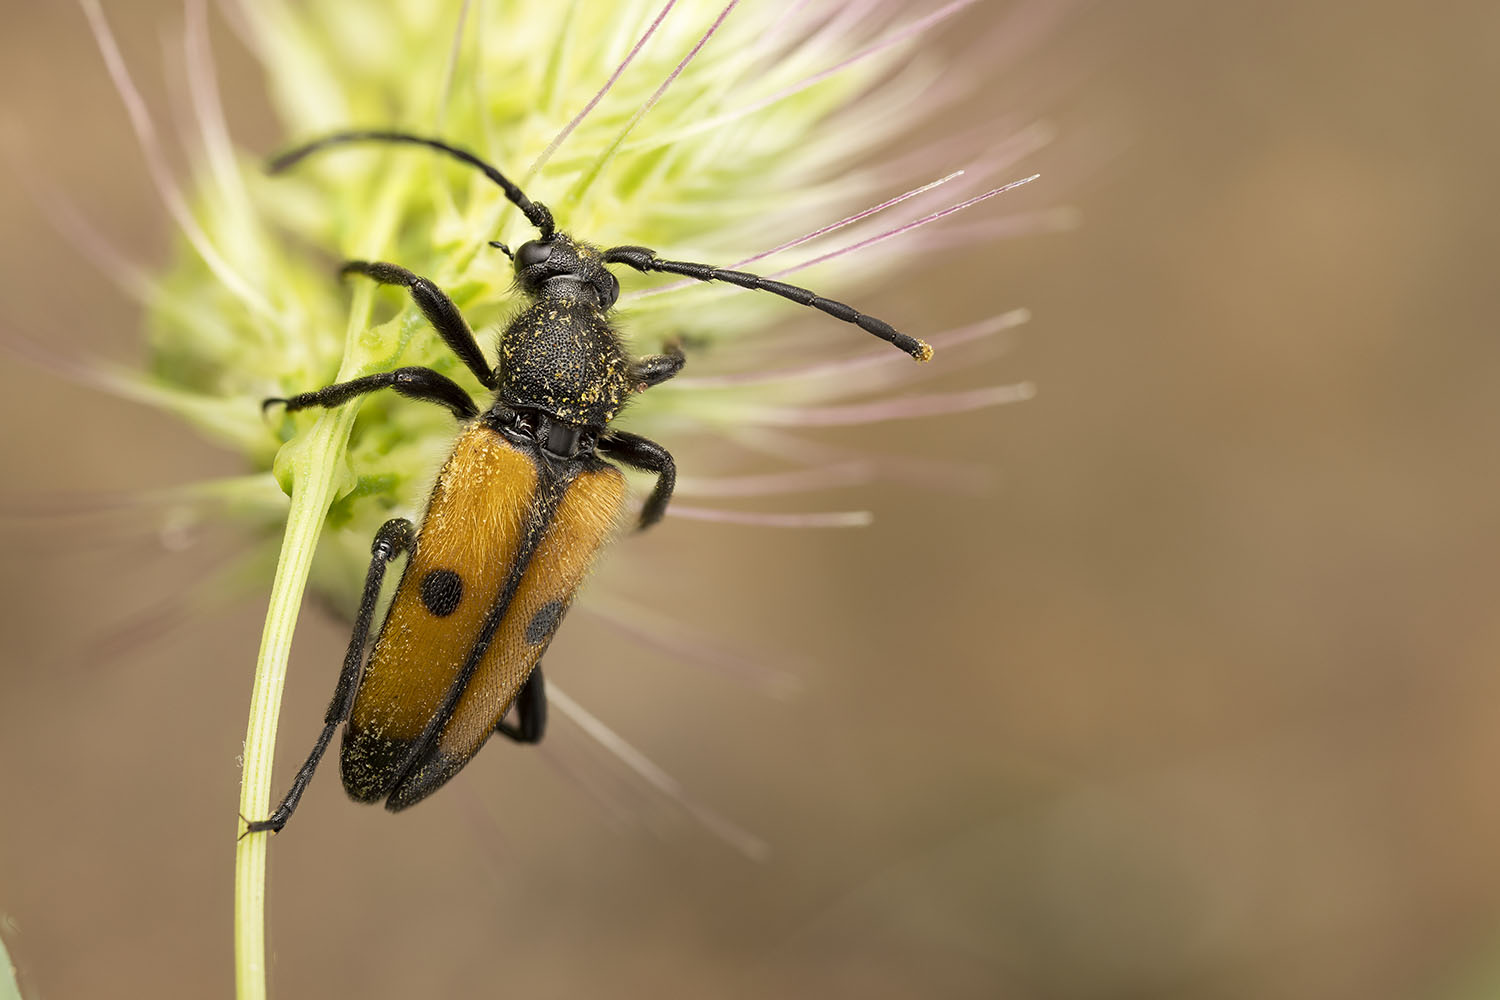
(536, 213)
(645, 260)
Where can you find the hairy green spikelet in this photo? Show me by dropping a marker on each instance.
(734, 134)
(706, 131)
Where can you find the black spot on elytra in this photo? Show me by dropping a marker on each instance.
(442, 590)
(544, 622)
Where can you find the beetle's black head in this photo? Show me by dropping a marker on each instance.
(560, 267)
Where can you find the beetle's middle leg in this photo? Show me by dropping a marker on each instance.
(394, 537)
(648, 456)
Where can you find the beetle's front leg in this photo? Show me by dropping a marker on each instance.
(654, 369)
(437, 307)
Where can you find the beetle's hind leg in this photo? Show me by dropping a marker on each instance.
(439, 310)
(531, 711)
(648, 456)
(394, 537)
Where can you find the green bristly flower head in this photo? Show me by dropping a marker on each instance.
(708, 132)
(770, 136)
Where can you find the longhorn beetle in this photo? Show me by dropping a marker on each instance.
(519, 511)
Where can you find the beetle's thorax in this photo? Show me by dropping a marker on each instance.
(561, 356)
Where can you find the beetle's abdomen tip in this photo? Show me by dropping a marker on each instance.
(370, 765)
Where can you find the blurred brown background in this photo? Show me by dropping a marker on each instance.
(1202, 701)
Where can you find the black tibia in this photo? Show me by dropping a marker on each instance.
(654, 369)
(439, 310)
(648, 456)
(393, 538)
(413, 383)
(645, 260)
(531, 711)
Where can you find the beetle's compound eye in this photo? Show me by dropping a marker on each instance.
(609, 290)
(532, 253)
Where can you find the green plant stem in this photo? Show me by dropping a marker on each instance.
(315, 463)
(315, 472)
